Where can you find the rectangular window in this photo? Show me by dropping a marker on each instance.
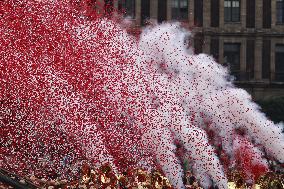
(279, 63)
(250, 59)
(145, 11)
(214, 48)
(280, 11)
(266, 48)
(162, 10)
(179, 9)
(198, 43)
(215, 13)
(266, 13)
(232, 10)
(232, 58)
(127, 7)
(198, 12)
(250, 14)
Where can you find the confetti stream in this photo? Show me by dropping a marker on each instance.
(76, 86)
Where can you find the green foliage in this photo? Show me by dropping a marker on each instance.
(273, 108)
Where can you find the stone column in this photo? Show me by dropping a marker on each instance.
(273, 14)
(206, 13)
(221, 50)
(154, 9)
(243, 13)
(258, 14)
(272, 59)
(206, 46)
(243, 56)
(169, 9)
(221, 13)
(258, 59)
(191, 13)
(138, 12)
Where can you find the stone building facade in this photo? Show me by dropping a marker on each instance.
(246, 35)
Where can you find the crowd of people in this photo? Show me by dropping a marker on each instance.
(106, 178)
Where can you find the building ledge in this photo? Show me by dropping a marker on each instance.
(259, 84)
(239, 32)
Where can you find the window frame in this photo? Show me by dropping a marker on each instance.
(279, 75)
(198, 13)
(250, 13)
(230, 6)
(162, 10)
(178, 14)
(277, 12)
(235, 72)
(266, 59)
(215, 10)
(145, 12)
(266, 14)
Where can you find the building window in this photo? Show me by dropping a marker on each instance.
(162, 10)
(232, 58)
(198, 43)
(250, 14)
(279, 63)
(145, 12)
(127, 7)
(180, 9)
(232, 10)
(214, 48)
(266, 16)
(266, 55)
(198, 12)
(215, 4)
(280, 11)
